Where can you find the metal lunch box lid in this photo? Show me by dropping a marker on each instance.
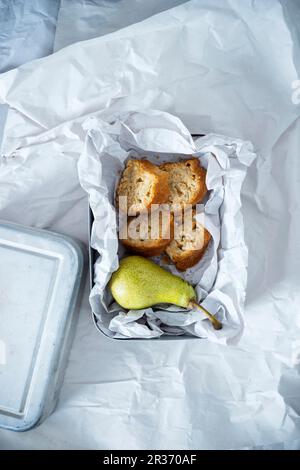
(40, 277)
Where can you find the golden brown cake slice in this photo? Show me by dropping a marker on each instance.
(143, 184)
(188, 247)
(186, 181)
(152, 237)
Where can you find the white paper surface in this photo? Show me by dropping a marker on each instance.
(79, 20)
(226, 70)
(220, 277)
(27, 31)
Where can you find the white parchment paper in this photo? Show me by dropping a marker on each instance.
(220, 277)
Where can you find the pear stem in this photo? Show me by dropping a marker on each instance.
(216, 324)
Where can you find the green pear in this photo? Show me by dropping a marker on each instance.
(139, 283)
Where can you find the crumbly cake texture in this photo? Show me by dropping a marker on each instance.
(188, 249)
(186, 181)
(142, 241)
(143, 184)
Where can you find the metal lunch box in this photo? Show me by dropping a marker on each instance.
(92, 259)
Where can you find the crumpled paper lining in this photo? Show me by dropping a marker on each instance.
(220, 277)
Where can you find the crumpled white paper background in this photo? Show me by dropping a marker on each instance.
(27, 30)
(79, 20)
(224, 68)
(220, 277)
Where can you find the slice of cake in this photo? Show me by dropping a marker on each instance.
(186, 181)
(143, 184)
(189, 245)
